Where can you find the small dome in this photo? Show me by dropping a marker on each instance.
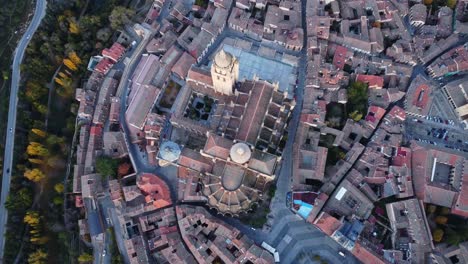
(223, 59)
(169, 151)
(240, 153)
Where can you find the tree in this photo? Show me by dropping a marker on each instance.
(451, 3)
(35, 91)
(357, 98)
(123, 169)
(70, 65)
(73, 27)
(437, 235)
(120, 16)
(59, 188)
(39, 132)
(32, 218)
(428, 2)
(36, 161)
(41, 108)
(35, 175)
(74, 57)
(355, 115)
(453, 237)
(431, 209)
(21, 200)
(106, 166)
(85, 258)
(441, 220)
(37, 257)
(37, 149)
(57, 200)
(445, 211)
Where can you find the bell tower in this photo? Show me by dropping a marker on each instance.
(224, 72)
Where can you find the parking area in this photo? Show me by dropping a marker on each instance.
(444, 134)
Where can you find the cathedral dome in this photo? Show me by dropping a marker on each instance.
(240, 153)
(223, 59)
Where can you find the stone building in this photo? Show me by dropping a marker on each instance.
(225, 72)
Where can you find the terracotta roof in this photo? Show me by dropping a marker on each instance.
(263, 162)
(339, 57)
(183, 65)
(374, 114)
(365, 256)
(218, 146)
(327, 223)
(195, 161)
(397, 112)
(115, 52)
(155, 190)
(259, 99)
(141, 105)
(402, 157)
(372, 80)
(199, 76)
(421, 96)
(104, 65)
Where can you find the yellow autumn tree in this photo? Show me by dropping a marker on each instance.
(36, 161)
(59, 188)
(39, 132)
(73, 27)
(74, 57)
(438, 235)
(70, 65)
(38, 240)
(85, 258)
(32, 218)
(36, 149)
(63, 75)
(441, 220)
(37, 257)
(35, 175)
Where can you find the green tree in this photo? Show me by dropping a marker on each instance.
(106, 166)
(20, 200)
(453, 237)
(57, 200)
(357, 99)
(120, 16)
(451, 3)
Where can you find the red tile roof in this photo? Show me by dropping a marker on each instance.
(421, 96)
(365, 256)
(95, 130)
(327, 223)
(402, 157)
(155, 190)
(182, 66)
(261, 93)
(115, 52)
(340, 57)
(104, 65)
(373, 81)
(374, 114)
(199, 76)
(195, 161)
(398, 112)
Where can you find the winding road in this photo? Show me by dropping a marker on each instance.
(10, 138)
